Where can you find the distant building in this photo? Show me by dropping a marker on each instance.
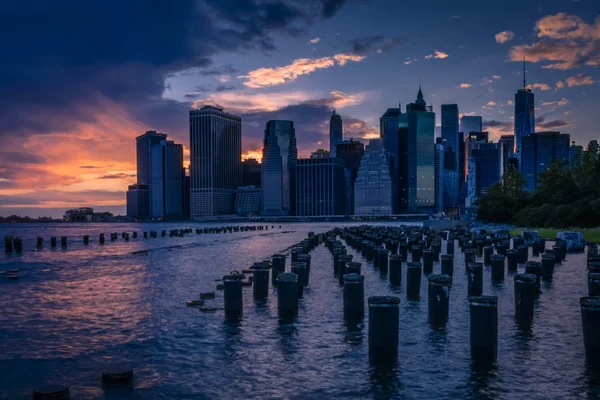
(186, 195)
(247, 200)
(166, 196)
(507, 143)
(575, 155)
(393, 138)
(524, 118)
(450, 134)
(320, 153)
(488, 167)
(251, 172)
(87, 214)
(439, 178)
(538, 150)
(351, 152)
(215, 161)
(138, 201)
(373, 185)
(472, 141)
(320, 185)
(278, 168)
(470, 124)
(471, 198)
(336, 133)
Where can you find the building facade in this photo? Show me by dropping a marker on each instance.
(391, 133)
(166, 195)
(215, 161)
(439, 177)
(278, 168)
(138, 201)
(506, 142)
(575, 155)
(524, 119)
(450, 134)
(251, 172)
(320, 187)
(247, 200)
(471, 123)
(488, 167)
(538, 151)
(336, 132)
(373, 185)
(351, 152)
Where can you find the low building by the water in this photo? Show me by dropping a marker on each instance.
(87, 214)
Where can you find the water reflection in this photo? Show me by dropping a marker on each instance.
(482, 380)
(385, 381)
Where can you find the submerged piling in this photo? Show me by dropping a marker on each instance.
(487, 254)
(497, 262)
(53, 241)
(260, 281)
(101, 238)
(525, 295)
(438, 299)
(287, 295)
(51, 392)
(590, 319)
(354, 296)
(86, 239)
(594, 284)
(353, 267)
(512, 260)
(428, 261)
(484, 328)
(448, 265)
(299, 268)
(39, 242)
(234, 301)
(63, 241)
(548, 267)
(395, 272)
(475, 279)
(413, 280)
(535, 268)
(384, 323)
(278, 264)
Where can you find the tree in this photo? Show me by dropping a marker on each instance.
(513, 184)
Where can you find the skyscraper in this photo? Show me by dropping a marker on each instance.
(471, 123)
(140, 193)
(278, 168)
(320, 186)
(507, 142)
(538, 150)
(472, 141)
(450, 134)
(215, 161)
(420, 121)
(524, 117)
(575, 155)
(251, 172)
(389, 131)
(166, 195)
(488, 167)
(439, 177)
(373, 185)
(335, 132)
(351, 152)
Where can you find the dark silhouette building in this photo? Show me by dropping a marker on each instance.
(351, 152)
(251, 172)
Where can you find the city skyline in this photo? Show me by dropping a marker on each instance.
(78, 149)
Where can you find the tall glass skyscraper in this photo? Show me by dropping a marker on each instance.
(420, 121)
(538, 150)
(450, 134)
(439, 177)
(166, 196)
(373, 185)
(351, 152)
(215, 161)
(471, 123)
(524, 120)
(320, 186)
(336, 133)
(278, 168)
(389, 131)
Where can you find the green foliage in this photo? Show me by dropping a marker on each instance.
(565, 197)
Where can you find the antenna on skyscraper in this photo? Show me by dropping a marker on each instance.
(524, 75)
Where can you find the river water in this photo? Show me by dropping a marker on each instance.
(102, 305)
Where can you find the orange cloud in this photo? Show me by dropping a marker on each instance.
(579, 80)
(264, 77)
(504, 36)
(565, 40)
(465, 85)
(560, 85)
(256, 154)
(437, 54)
(315, 40)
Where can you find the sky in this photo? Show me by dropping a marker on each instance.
(79, 80)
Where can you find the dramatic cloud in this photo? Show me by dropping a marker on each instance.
(579, 80)
(119, 175)
(498, 128)
(465, 85)
(95, 89)
(557, 123)
(504, 37)
(437, 54)
(359, 129)
(565, 41)
(315, 40)
(371, 44)
(541, 86)
(264, 77)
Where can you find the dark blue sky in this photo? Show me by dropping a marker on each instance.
(79, 80)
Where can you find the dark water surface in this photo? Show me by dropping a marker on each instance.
(108, 306)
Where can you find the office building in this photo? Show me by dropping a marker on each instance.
(215, 161)
(462, 165)
(524, 118)
(471, 198)
(488, 167)
(251, 172)
(351, 152)
(166, 195)
(420, 121)
(538, 151)
(247, 200)
(140, 198)
(439, 177)
(336, 133)
(373, 185)
(507, 142)
(278, 168)
(450, 135)
(392, 135)
(320, 186)
(470, 124)
(472, 141)
(186, 194)
(138, 201)
(320, 153)
(575, 155)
